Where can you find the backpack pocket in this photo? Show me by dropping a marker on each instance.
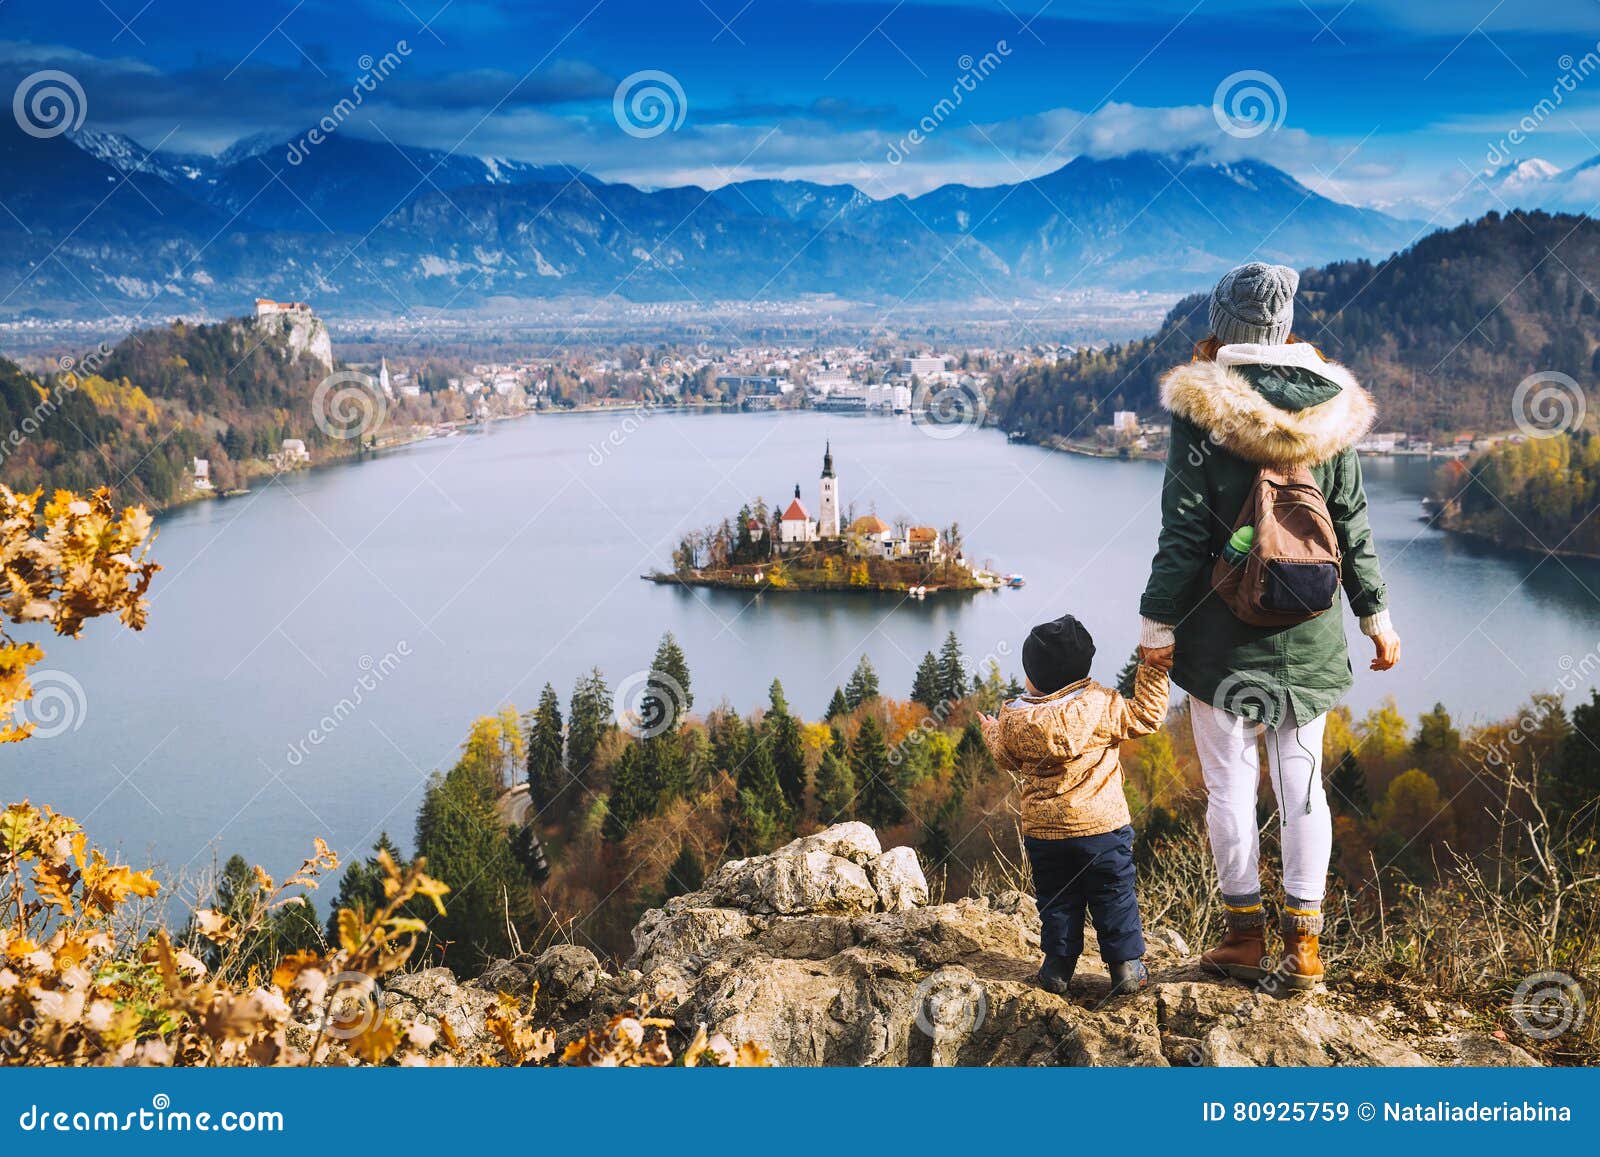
(1299, 588)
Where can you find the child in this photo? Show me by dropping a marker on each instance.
(1062, 738)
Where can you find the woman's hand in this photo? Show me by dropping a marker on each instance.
(1387, 646)
(1158, 657)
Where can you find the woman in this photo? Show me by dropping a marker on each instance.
(1255, 396)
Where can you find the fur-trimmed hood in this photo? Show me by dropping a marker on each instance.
(1231, 399)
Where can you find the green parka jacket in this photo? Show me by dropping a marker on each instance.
(1280, 406)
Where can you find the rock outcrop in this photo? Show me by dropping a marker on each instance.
(827, 952)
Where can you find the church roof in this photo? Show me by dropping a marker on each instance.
(796, 512)
(923, 534)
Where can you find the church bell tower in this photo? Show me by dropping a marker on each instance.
(828, 514)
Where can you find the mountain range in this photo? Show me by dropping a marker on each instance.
(97, 223)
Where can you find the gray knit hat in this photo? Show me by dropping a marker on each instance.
(1254, 303)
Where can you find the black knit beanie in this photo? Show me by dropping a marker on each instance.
(1057, 654)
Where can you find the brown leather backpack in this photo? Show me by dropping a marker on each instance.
(1292, 571)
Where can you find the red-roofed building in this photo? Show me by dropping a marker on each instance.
(795, 527)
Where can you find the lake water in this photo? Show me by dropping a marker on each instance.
(461, 574)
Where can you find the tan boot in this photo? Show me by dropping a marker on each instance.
(1301, 966)
(1242, 953)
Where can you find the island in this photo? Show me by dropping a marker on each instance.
(763, 550)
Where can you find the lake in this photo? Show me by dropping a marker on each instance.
(440, 581)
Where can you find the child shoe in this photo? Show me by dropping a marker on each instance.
(1055, 974)
(1128, 976)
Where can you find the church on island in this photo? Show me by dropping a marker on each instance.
(867, 536)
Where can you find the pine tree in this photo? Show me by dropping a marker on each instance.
(1349, 784)
(361, 886)
(878, 802)
(973, 758)
(838, 705)
(862, 686)
(687, 872)
(1436, 734)
(460, 833)
(589, 721)
(729, 740)
(667, 697)
(952, 672)
(547, 770)
(1126, 676)
(836, 789)
(788, 749)
(632, 797)
(925, 684)
(762, 811)
(1574, 780)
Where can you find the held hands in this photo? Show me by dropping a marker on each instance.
(1161, 657)
(1387, 648)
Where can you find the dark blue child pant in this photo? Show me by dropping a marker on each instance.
(1093, 873)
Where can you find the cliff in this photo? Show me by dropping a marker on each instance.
(827, 952)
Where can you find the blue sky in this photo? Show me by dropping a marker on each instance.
(1381, 103)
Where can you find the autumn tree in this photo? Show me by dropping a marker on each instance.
(72, 560)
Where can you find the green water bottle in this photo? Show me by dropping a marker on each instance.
(1237, 548)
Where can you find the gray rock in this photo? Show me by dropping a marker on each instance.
(897, 877)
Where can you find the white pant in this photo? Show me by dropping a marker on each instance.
(1226, 745)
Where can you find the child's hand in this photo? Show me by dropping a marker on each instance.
(986, 719)
(1158, 657)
